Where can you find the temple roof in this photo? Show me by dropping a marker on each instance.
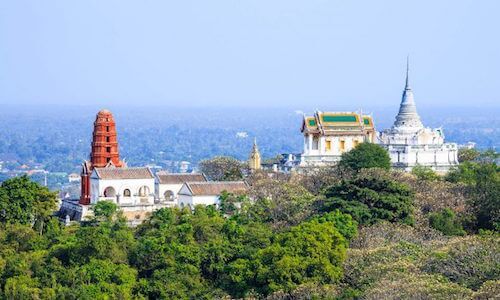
(215, 188)
(335, 120)
(179, 178)
(123, 173)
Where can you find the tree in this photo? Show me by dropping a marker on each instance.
(370, 199)
(465, 154)
(484, 182)
(105, 210)
(280, 203)
(366, 155)
(311, 252)
(446, 221)
(222, 168)
(26, 202)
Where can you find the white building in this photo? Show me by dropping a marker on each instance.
(329, 134)
(123, 186)
(208, 193)
(411, 144)
(168, 185)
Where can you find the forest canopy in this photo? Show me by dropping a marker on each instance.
(370, 234)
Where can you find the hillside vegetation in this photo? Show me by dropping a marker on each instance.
(333, 233)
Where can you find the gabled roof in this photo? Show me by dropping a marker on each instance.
(123, 173)
(179, 178)
(215, 188)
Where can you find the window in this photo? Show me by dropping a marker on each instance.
(126, 193)
(169, 195)
(107, 139)
(143, 191)
(328, 145)
(356, 143)
(315, 144)
(108, 149)
(107, 128)
(342, 146)
(108, 159)
(109, 192)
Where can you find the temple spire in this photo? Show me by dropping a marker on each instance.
(255, 160)
(407, 116)
(407, 85)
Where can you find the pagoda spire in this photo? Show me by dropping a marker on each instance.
(408, 116)
(255, 159)
(407, 86)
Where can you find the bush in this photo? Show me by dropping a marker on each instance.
(447, 222)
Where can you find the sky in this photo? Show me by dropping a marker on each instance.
(307, 54)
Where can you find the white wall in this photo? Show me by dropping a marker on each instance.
(99, 185)
(162, 188)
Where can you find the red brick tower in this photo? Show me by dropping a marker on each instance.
(104, 151)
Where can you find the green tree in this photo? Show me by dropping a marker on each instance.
(366, 155)
(311, 252)
(447, 222)
(26, 202)
(484, 182)
(370, 198)
(105, 210)
(222, 168)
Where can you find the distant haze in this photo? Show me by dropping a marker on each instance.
(299, 54)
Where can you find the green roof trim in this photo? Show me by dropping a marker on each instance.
(366, 121)
(312, 122)
(341, 118)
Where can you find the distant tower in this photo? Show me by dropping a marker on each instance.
(254, 161)
(104, 151)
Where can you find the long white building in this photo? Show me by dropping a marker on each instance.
(411, 144)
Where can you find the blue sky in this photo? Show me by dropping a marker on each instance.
(305, 54)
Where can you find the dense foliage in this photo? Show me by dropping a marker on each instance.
(370, 199)
(330, 234)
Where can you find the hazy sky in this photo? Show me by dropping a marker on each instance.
(304, 54)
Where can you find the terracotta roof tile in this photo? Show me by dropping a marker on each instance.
(124, 173)
(179, 178)
(213, 188)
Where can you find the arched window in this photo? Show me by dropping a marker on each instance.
(169, 195)
(126, 193)
(109, 192)
(143, 191)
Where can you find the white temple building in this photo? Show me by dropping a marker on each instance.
(411, 144)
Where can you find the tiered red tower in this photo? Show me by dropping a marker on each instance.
(104, 151)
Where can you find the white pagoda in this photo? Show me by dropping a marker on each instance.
(411, 144)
